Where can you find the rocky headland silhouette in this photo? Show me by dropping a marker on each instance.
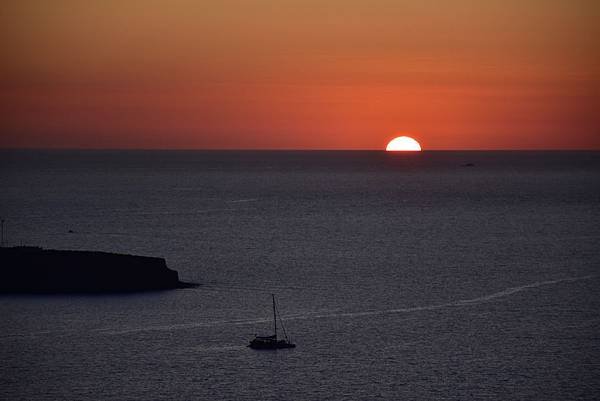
(27, 269)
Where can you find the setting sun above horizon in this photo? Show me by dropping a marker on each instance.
(403, 143)
(300, 75)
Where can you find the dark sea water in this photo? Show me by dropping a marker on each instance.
(399, 276)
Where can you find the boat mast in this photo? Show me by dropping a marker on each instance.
(274, 316)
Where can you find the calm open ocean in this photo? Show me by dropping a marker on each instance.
(399, 276)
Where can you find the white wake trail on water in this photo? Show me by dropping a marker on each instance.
(320, 315)
(243, 200)
(463, 302)
(513, 290)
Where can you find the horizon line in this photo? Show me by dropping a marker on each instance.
(141, 149)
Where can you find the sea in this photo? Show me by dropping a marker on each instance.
(399, 276)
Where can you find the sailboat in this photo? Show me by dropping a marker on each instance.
(272, 342)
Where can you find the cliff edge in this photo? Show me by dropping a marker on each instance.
(38, 270)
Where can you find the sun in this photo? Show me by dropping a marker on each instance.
(403, 143)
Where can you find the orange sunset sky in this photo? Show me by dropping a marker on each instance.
(278, 74)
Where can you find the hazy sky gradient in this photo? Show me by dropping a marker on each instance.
(303, 74)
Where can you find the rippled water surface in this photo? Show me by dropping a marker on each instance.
(399, 276)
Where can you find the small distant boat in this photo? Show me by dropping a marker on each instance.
(272, 342)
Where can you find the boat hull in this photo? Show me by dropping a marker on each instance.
(270, 345)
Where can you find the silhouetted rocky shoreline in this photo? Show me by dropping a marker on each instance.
(27, 269)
